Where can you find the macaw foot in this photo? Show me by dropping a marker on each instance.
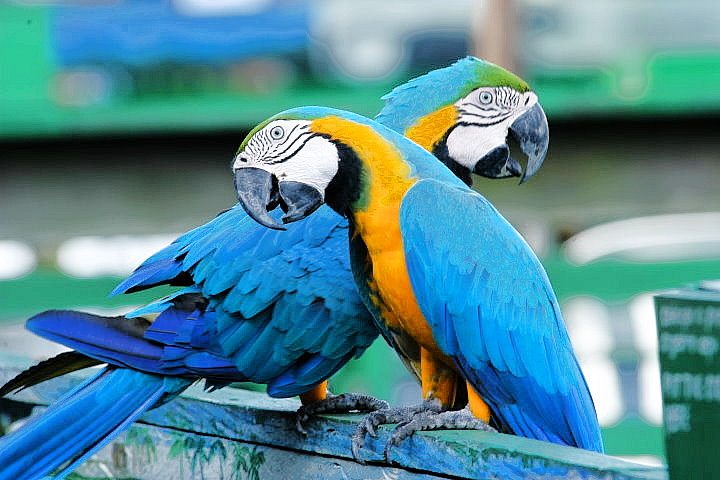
(401, 415)
(343, 403)
(429, 420)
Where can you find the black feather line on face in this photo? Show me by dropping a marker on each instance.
(346, 186)
(440, 150)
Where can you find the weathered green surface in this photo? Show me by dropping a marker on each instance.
(166, 454)
(689, 334)
(239, 434)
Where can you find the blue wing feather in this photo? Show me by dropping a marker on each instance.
(492, 309)
(174, 344)
(279, 299)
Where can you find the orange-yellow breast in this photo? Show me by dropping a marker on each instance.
(378, 223)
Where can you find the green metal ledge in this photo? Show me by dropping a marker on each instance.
(237, 434)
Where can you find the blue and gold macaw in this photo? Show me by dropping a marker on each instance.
(279, 308)
(451, 284)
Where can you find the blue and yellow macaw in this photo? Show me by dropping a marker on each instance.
(279, 308)
(451, 284)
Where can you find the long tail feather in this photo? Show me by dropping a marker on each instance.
(82, 422)
(176, 343)
(115, 340)
(53, 367)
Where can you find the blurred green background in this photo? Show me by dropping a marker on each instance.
(118, 121)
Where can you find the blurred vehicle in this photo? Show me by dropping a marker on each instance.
(93, 67)
(180, 48)
(387, 40)
(610, 56)
(651, 239)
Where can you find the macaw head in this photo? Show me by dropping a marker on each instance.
(465, 113)
(307, 156)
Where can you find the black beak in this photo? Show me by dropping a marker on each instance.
(532, 133)
(298, 200)
(258, 192)
(493, 163)
(498, 164)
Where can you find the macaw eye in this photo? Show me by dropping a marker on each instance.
(277, 132)
(486, 97)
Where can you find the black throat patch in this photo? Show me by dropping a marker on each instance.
(346, 187)
(440, 151)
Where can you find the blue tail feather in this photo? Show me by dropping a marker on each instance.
(117, 341)
(82, 422)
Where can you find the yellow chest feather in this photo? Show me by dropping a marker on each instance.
(378, 223)
(380, 231)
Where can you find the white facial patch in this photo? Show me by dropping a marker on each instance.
(485, 115)
(292, 152)
(315, 164)
(467, 144)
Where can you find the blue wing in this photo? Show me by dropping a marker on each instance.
(492, 309)
(286, 307)
(175, 344)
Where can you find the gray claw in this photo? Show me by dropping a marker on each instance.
(371, 428)
(357, 443)
(301, 418)
(401, 415)
(429, 420)
(343, 403)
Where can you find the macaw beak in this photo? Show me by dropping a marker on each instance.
(298, 200)
(498, 163)
(256, 189)
(259, 192)
(532, 133)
